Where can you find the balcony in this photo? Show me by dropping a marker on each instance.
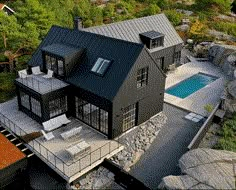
(40, 84)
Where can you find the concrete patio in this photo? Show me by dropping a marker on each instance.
(53, 152)
(209, 94)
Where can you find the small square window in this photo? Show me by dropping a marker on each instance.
(100, 66)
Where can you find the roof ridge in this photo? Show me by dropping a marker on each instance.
(99, 35)
(123, 21)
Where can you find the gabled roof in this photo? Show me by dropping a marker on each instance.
(129, 30)
(123, 55)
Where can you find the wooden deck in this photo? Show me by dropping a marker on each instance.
(54, 152)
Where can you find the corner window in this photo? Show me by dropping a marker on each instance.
(56, 64)
(156, 42)
(100, 66)
(142, 77)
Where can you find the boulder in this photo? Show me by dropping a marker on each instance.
(204, 169)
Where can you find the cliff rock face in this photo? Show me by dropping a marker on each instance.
(225, 57)
(204, 169)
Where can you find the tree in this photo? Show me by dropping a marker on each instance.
(233, 6)
(34, 12)
(216, 6)
(18, 40)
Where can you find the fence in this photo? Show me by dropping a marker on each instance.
(203, 130)
(38, 83)
(65, 169)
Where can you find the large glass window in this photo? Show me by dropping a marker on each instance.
(55, 64)
(92, 115)
(31, 104)
(129, 117)
(25, 100)
(36, 107)
(142, 77)
(58, 106)
(157, 42)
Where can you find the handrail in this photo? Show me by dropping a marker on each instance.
(203, 130)
(36, 86)
(4, 120)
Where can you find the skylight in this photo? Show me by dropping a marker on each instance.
(100, 66)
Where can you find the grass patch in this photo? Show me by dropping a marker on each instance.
(227, 135)
(7, 87)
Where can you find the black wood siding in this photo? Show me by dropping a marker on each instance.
(149, 98)
(168, 54)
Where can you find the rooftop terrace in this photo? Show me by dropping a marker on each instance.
(40, 84)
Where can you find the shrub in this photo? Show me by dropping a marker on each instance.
(209, 108)
(174, 17)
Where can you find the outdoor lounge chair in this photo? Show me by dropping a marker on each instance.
(22, 73)
(36, 70)
(63, 119)
(47, 136)
(49, 74)
(71, 133)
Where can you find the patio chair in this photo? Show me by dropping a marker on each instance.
(36, 70)
(71, 133)
(47, 136)
(63, 119)
(49, 74)
(22, 73)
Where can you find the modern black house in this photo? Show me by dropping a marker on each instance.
(110, 84)
(155, 32)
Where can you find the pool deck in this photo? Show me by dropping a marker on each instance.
(210, 94)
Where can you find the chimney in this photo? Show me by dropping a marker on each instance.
(78, 23)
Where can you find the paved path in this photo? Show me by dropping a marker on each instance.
(171, 143)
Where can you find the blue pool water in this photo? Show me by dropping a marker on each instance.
(190, 85)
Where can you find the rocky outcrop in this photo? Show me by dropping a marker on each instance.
(204, 169)
(222, 55)
(135, 143)
(229, 97)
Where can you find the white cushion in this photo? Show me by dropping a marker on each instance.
(36, 70)
(49, 75)
(48, 136)
(22, 73)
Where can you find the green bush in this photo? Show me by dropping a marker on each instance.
(174, 16)
(228, 135)
(227, 27)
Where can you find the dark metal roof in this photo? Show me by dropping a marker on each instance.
(123, 55)
(152, 34)
(60, 49)
(129, 30)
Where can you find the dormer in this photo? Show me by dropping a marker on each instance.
(152, 39)
(61, 58)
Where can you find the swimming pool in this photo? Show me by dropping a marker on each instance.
(190, 85)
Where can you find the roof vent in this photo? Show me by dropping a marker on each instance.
(152, 39)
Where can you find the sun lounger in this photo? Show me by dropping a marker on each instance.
(47, 136)
(71, 133)
(79, 149)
